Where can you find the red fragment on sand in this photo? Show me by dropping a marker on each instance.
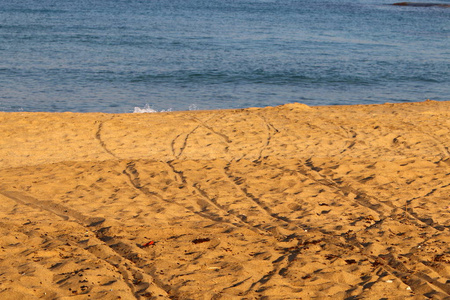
(151, 243)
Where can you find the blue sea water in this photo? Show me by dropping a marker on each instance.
(114, 55)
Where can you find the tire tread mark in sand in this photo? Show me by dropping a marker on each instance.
(96, 226)
(396, 268)
(266, 277)
(442, 147)
(351, 241)
(185, 141)
(390, 267)
(49, 206)
(197, 190)
(98, 136)
(271, 131)
(237, 182)
(431, 265)
(89, 224)
(411, 278)
(232, 286)
(282, 264)
(362, 197)
(327, 132)
(350, 140)
(135, 181)
(172, 145)
(134, 178)
(195, 186)
(293, 252)
(387, 262)
(427, 220)
(351, 134)
(366, 200)
(204, 124)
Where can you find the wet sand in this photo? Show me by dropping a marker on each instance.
(288, 202)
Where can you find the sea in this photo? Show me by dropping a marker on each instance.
(122, 56)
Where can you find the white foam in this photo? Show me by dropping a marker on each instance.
(148, 109)
(193, 107)
(145, 109)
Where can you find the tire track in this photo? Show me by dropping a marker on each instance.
(98, 136)
(382, 209)
(185, 141)
(416, 280)
(203, 123)
(223, 216)
(237, 182)
(236, 219)
(282, 264)
(364, 199)
(195, 189)
(132, 173)
(440, 145)
(122, 261)
(184, 145)
(367, 200)
(271, 131)
(392, 265)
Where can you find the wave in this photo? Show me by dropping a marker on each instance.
(148, 109)
(145, 109)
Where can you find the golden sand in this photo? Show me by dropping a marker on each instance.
(288, 202)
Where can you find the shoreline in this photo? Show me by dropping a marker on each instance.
(223, 109)
(278, 202)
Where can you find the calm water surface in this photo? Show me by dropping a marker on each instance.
(114, 55)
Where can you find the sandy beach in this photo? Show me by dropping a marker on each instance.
(287, 202)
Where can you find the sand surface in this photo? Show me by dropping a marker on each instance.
(289, 202)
